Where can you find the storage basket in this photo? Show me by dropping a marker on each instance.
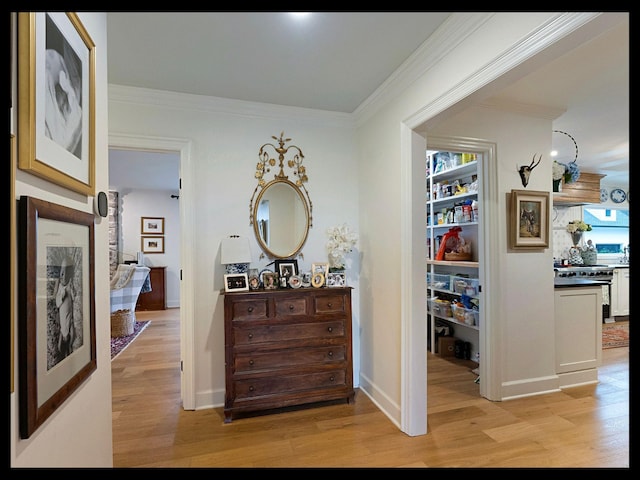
(456, 257)
(122, 323)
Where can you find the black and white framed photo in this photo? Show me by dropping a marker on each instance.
(236, 282)
(286, 268)
(56, 85)
(336, 279)
(322, 267)
(56, 328)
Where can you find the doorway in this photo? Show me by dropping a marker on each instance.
(181, 149)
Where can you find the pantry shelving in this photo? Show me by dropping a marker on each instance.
(453, 204)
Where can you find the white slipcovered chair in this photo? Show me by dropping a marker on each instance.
(126, 286)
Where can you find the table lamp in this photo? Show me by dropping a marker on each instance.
(235, 254)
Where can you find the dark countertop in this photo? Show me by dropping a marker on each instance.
(562, 282)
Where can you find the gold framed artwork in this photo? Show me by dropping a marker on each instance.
(56, 328)
(56, 99)
(529, 219)
(152, 244)
(152, 225)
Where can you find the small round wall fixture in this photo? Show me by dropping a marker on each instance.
(101, 204)
(618, 195)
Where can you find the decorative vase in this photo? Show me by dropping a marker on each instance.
(576, 237)
(557, 185)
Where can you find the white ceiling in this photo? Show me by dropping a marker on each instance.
(335, 60)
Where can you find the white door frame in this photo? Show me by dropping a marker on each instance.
(187, 207)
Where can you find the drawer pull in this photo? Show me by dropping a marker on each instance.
(330, 329)
(250, 336)
(291, 307)
(251, 389)
(251, 362)
(329, 304)
(332, 378)
(250, 309)
(330, 354)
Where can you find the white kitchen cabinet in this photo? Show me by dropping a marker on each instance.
(578, 334)
(453, 189)
(620, 292)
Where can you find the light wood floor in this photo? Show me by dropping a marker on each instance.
(579, 427)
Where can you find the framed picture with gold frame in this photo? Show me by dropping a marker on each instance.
(529, 219)
(322, 268)
(56, 99)
(153, 244)
(152, 225)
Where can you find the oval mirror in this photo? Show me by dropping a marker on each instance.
(281, 219)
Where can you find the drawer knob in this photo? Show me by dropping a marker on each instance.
(251, 362)
(330, 329)
(291, 307)
(329, 304)
(251, 389)
(250, 336)
(250, 309)
(330, 354)
(332, 378)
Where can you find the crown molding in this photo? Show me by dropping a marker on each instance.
(165, 99)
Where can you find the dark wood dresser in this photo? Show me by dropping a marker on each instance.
(287, 347)
(156, 298)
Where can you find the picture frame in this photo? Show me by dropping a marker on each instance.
(269, 280)
(286, 268)
(529, 219)
(317, 279)
(152, 225)
(56, 307)
(152, 244)
(320, 267)
(236, 282)
(56, 99)
(336, 279)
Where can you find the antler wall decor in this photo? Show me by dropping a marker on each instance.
(525, 170)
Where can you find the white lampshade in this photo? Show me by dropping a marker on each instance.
(235, 249)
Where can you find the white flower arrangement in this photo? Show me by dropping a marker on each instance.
(341, 241)
(558, 170)
(578, 226)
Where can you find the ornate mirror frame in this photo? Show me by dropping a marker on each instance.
(276, 191)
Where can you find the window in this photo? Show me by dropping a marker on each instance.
(610, 232)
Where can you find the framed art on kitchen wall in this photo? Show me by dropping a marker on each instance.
(529, 219)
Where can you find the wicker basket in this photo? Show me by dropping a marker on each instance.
(122, 323)
(456, 257)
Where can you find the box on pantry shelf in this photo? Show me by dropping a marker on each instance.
(447, 346)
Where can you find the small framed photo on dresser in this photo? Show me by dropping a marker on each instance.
(236, 282)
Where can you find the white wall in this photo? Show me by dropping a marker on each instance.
(78, 433)
(153, 203)
(225, 137)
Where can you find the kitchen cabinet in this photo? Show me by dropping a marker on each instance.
(287, 347)
(578, 332)
(620, 292)
(156, 298)
(453, 200)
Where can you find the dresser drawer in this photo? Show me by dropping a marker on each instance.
(255, 334)
(254, 361)
(329, 304)
(291, 306)
(250, 309)
(283, 384)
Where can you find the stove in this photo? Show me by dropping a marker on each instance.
(596, 272)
